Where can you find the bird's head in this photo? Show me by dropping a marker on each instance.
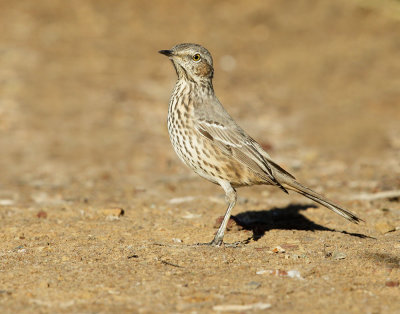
(191, 61)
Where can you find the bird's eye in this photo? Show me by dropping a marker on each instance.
(196, 57)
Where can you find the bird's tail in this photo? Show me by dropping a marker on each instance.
(293, 185)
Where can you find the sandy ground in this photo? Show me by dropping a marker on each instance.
(83, 104)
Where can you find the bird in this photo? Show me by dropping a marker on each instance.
(208, 140)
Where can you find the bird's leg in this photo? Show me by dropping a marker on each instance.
(230, 195)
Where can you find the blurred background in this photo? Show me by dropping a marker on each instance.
(83, 106)
(84, 93)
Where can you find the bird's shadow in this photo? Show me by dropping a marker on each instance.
(284, 218)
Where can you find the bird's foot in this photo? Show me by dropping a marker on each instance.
(217, 241)
(212, 243)
(220, 244)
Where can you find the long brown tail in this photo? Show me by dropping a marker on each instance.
(293, 185)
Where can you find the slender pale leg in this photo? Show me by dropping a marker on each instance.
(230, 195)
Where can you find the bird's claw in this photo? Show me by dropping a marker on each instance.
(219, 244)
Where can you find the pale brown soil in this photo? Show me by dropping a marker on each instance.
(83, 104)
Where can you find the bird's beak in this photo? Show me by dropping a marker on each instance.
(168, 53)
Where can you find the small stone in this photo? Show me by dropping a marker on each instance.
(41, 214)
(392, 283)
(176, 240)
(339, 255)
(294, 274)
(383, 227)
(278, 249)
(114, 212)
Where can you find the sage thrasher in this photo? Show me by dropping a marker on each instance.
(211, 143)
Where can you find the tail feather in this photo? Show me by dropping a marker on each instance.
(303, 190)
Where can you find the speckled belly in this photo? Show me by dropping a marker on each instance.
(208, 160)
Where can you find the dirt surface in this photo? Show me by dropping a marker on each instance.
(83, 105)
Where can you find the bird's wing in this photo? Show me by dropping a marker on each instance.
(234, 142)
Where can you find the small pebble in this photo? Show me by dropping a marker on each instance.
(278, 249)
(294, 274)
(41, 214)
(392, 283)
(115, 212)
(339, 255)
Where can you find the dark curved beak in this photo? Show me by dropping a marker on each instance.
(167, 53)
